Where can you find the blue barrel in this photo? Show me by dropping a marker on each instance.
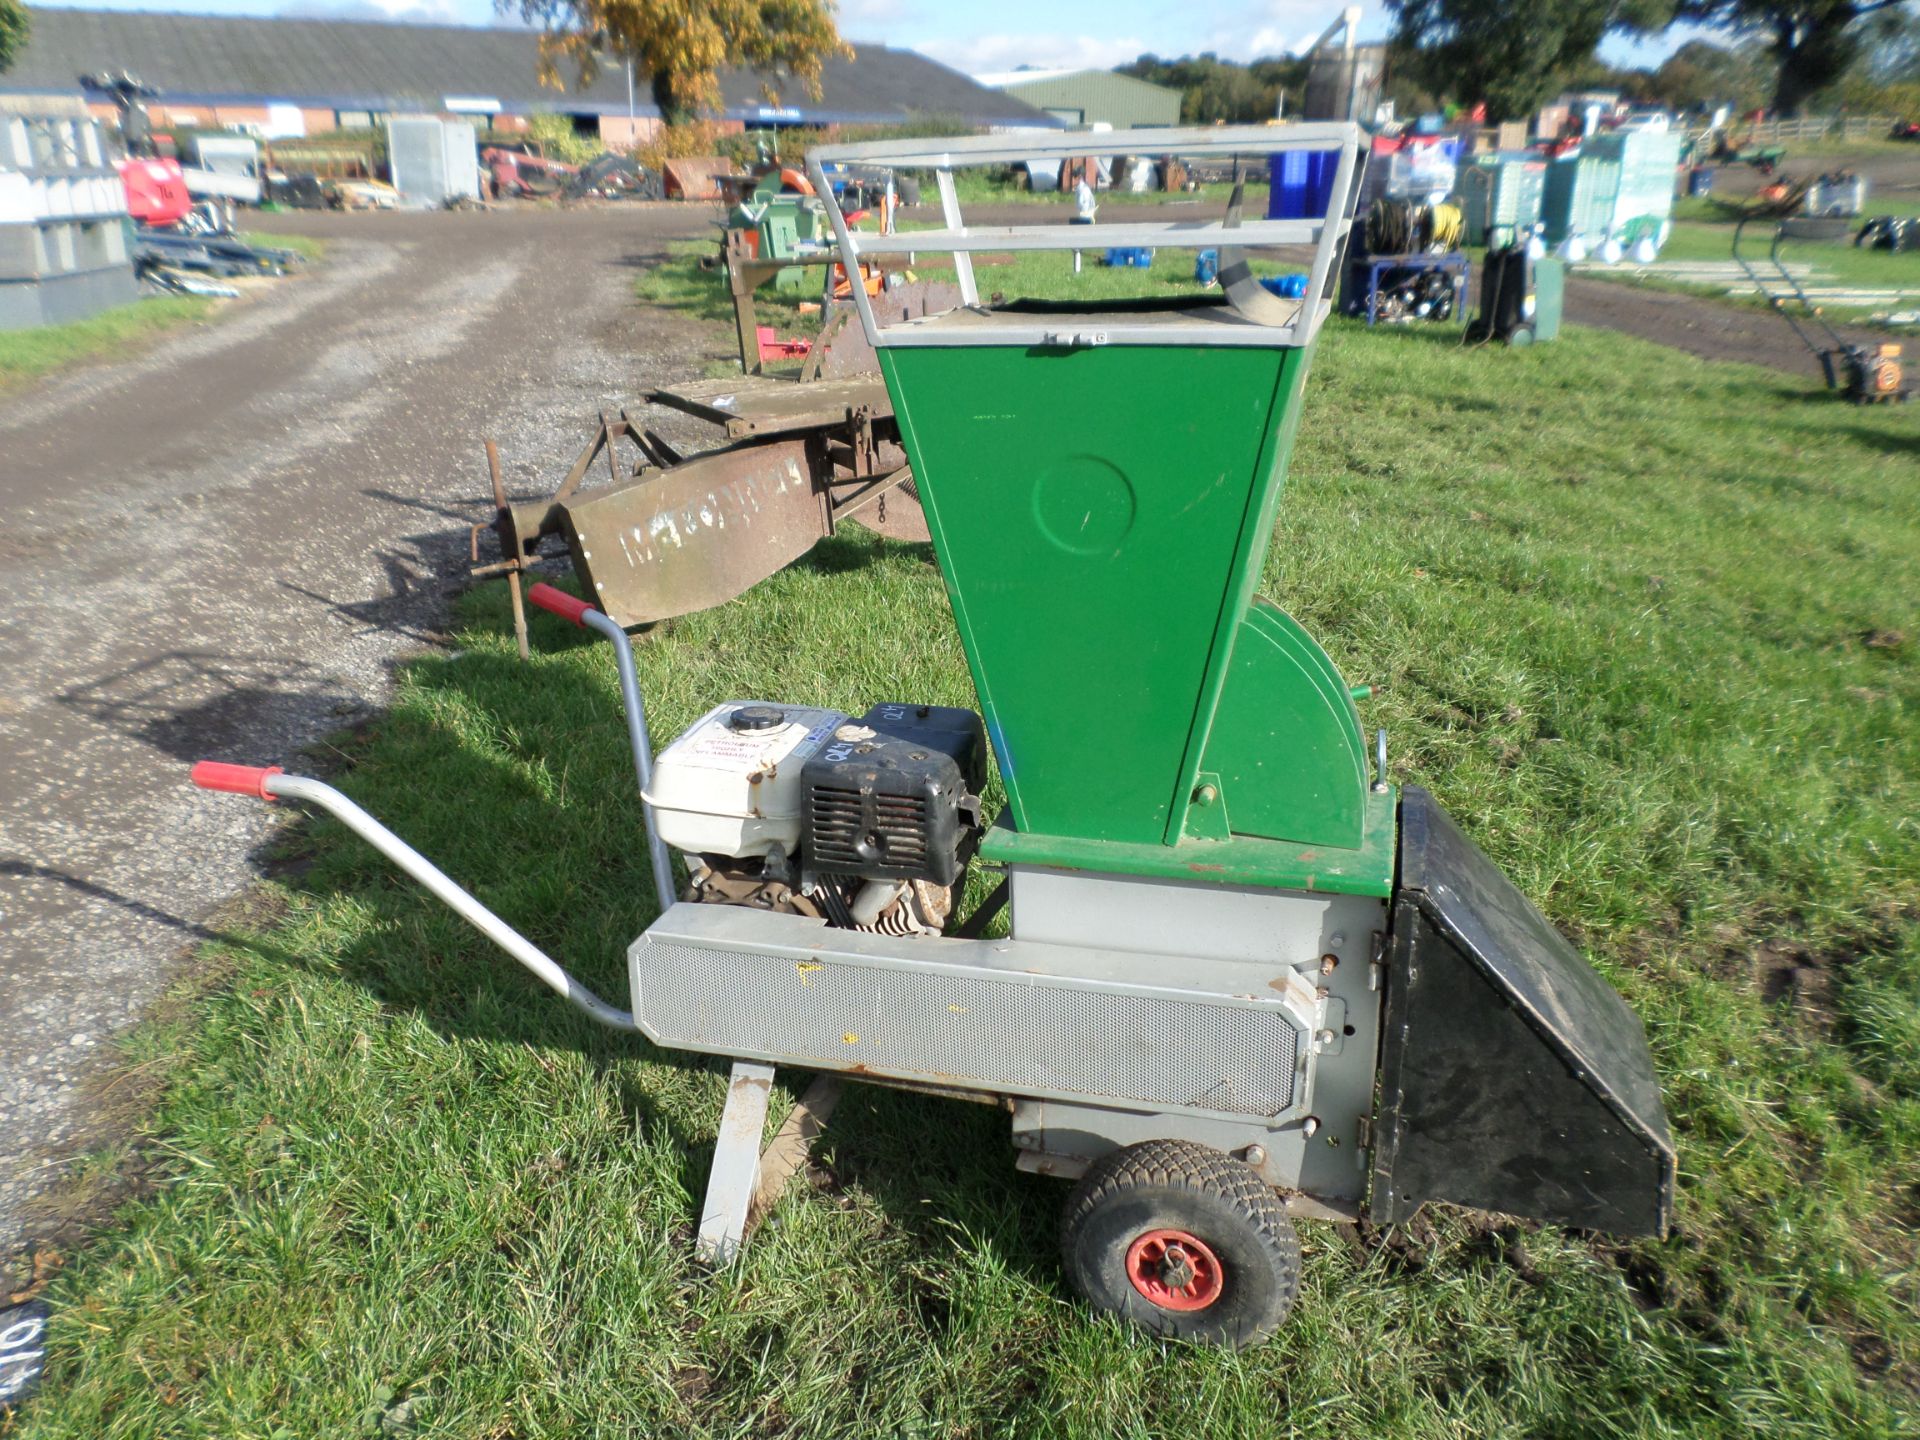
(1302, 183)
(1700, 180)
(1206, 266)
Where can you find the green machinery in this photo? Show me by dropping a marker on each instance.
(1245, 977)
(1615, 189)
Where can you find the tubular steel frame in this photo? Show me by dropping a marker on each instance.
(1254, 319)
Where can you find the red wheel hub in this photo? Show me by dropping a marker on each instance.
(1175, 1270)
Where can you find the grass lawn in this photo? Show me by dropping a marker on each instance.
(1702, 232)
(1646, 626)
(112, 334)
(28, 354)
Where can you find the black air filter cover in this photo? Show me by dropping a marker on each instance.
(900, 804)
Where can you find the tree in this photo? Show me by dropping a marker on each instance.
(1886, 77)
(13, 31)
(682, 45)
(1510, 53)
(1215, 91)
(1701, 75)
(1815, 41)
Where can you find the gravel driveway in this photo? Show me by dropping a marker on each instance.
(220, 548)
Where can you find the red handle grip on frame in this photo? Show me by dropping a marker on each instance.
(235, 779)
(560, 603)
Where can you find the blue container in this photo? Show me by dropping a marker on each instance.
(1302, 183)
(1287, 287)
(1128, 257)
(1206, 267)
(1700, 180)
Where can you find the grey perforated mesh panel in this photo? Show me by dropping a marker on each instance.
(1001, 1032)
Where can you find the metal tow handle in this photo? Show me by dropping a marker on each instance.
(271, 783)
(581, 613)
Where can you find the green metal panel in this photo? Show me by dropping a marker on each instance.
(1101, 516)
(1088, 508)
(1286, 743)
(1235, 861)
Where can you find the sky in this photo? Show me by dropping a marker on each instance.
(980, 36)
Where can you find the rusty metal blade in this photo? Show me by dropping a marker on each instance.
(695, 536)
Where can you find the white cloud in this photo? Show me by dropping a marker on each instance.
(986, 54)
(1288, 27)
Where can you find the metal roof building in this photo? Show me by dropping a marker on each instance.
(333, 72)
(1091, 97)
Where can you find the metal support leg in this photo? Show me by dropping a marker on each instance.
(736, 1164)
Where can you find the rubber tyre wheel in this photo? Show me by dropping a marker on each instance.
(1177, 1185)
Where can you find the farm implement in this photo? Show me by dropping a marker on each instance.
(664, 534)
(1247, 978)
(1864, 374)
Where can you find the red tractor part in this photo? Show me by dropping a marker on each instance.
(156, 191)
(772, 347)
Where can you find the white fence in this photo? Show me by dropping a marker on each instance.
(1813, 127)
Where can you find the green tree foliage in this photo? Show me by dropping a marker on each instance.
(13, 31)
(1886, 76)
(1219, 92)
(1512, 54)
(1814, 42)
(1703, 75)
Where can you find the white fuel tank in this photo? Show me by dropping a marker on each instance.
(730, 785)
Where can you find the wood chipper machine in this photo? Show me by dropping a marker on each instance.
(1247, 978)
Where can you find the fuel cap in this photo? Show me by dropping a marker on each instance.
(756, 717)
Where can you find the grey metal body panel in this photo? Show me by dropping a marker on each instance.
(60, 298)
(1243, 925)
(1168, 1034)
(1513, 1076)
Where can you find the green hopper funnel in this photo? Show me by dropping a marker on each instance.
(1101, 483)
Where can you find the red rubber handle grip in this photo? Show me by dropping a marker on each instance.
(560, 603)
(235, 779)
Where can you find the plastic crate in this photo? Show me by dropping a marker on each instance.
(1302, 183)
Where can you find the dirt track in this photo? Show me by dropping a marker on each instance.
(1711, 329)
(219, 548)
(1722, 330)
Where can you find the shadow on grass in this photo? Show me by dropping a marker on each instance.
(1905, 446)
(939, 1170)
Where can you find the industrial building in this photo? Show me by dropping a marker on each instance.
(292, 77)
(1090, 97)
